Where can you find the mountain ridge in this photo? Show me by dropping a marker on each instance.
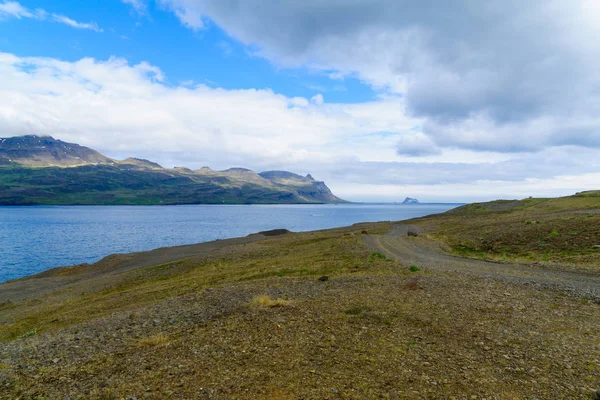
(43, 170)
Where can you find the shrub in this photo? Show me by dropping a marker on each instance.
(375, 256)
(30, 333)
(414, 268)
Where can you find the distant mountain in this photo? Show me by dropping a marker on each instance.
(43, 170)
(45, 151)
(410, 200)
(140, 162)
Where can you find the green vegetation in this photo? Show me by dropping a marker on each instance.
(529, 230)
(130, 185)
(377, 256)
(30, 333)
(42, 170)
(414, 268)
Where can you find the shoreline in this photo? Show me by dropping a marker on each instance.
(349, 203)
(122, 262)
(124, 227)
(365, 309)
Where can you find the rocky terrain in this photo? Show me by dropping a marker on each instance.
(410, 200)
(43, 170)
(382, 310)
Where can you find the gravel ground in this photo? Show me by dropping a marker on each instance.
(429, 254)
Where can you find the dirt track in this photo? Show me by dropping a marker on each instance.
(429, 254)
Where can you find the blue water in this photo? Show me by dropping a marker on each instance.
(33, 239)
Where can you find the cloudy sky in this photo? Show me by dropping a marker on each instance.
(456, 100)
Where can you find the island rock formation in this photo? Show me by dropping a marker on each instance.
(410, 200)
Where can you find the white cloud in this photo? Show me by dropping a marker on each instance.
(317, 99)
(140, 6)
(190, 17)
(127, 110)
(74, 24)
(483, 190)
(13, 9)
(113, 104)
(507, 76)
(416, 144)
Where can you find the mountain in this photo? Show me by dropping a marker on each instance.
(410, 200)
(45, 151)
(140, 162)
(43, 170)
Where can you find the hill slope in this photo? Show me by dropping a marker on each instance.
(250, 318)
(564, 230)
(42, 170)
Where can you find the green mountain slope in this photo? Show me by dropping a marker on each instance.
(46, 171)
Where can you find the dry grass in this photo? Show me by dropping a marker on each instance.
(315, 254)
(562, 231)
(356, 337)
(265, 301)
(158, 340)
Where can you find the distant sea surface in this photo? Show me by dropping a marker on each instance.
(34, 239)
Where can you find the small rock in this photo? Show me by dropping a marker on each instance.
(334, 390)
(324, 278)
(56, 360)
(413, 233)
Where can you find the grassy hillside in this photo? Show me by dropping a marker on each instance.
(129, 184)
(562, 230)
(43, 170)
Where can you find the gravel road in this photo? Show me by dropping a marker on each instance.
(429, 254)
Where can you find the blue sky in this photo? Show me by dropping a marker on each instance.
(208, 56)
(382, 99)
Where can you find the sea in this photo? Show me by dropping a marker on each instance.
(34, 239)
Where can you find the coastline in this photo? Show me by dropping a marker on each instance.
(68, 235)
(361, 309)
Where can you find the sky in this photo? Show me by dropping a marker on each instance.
(453, 101)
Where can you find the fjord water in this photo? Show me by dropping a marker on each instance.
(33, 239)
